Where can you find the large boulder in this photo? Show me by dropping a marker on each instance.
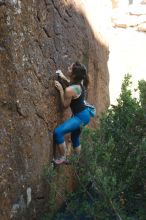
(36, 38)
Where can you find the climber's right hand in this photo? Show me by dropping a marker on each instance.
(60, 73)
(58, 86)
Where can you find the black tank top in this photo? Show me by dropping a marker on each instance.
(77, 105)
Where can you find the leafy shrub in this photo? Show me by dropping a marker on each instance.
(111, 171)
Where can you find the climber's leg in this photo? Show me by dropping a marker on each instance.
(62, 158)
(75, 138)
(77, 150)
(62, 148)
(68, 126)
(85, 117)
(71, 125)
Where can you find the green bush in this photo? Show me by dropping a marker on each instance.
(111, 171)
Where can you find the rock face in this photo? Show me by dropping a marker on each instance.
(36, 38)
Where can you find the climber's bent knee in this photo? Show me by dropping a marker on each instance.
(58, 136)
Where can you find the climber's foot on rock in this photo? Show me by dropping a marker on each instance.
(60, 160)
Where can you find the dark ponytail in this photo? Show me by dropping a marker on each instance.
(80, 73)
(86, 81)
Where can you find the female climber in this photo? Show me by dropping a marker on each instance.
(72, 96)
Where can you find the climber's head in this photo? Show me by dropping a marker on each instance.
(78, 72)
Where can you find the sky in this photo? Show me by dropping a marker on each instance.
(127, 48)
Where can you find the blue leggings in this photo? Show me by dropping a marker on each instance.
(73, 126)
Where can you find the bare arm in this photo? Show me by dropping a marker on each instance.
(60, 73)
(66, 96)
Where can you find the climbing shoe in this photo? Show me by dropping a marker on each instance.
(61, 160)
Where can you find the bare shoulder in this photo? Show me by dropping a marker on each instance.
(69, 91)
(77, 89)
(73, 90)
